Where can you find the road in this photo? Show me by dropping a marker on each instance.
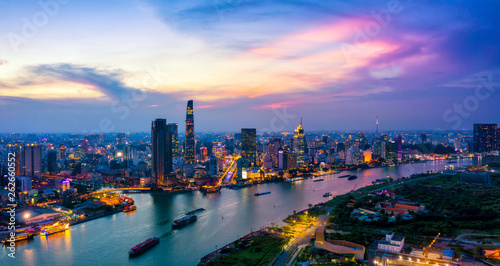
(232, 167)
(301, 239)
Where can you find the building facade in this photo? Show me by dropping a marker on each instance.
(161, 151)
(189, 143)
(299, 144)
(249, 145)
(485, 138)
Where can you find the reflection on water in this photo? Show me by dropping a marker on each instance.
(230, 214)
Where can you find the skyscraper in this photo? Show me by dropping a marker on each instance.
(299, 144)
(249, 144)
(485, 137)
(32, 160)
(52, 161)
(161, 151)
(62, 152)
(189, 143)
(399, 147)
(174, 130)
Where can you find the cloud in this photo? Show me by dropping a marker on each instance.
(3, 61)
(107, 82)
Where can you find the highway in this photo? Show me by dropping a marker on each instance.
(230, 171)
(303, 238)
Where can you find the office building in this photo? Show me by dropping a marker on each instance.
(62, 152)
(174, 131)
(299, 144)
(189, 143)
(161, 151)
(32, 155)
(249, 145)
(485, 137)
(52, 161)
(23, 184)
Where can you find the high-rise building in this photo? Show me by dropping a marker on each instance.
(52, 161)
(391, 151)
(399, 148)
(292, 161)
(174, 131)
(23, 184)
(189, 143)
(485, 137)
(161, 151)
(249, 144)
(282, 159)
(299, 144)
(32, 155)
(62, 152)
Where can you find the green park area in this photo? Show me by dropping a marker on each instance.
(260, 251)
(452, 208)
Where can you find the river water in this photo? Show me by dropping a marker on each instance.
(228, 216)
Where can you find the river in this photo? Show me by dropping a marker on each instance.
(228, 216)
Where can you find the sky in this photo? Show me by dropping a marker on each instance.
(114, 66)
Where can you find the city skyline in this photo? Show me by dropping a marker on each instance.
(335, 64)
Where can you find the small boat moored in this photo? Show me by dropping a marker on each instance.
(17, 238)
(327, 194)
(352, 177)
(262, 193)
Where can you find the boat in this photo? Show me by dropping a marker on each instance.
(318, 180)
(143, 246)
(299, 178)
(210, 189)
(327, 194)
(129, 208)
(55, 228)
(18, 238)
(352, 177)
(195, 211)
(188, 219)
(344, 176)
(263, 193)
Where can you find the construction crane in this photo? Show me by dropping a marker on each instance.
(426, 250)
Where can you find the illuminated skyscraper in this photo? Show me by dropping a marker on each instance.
(174, 130)
(485, 137)
(299, 144)
(249, 144)
(189, 143)
(161, 151)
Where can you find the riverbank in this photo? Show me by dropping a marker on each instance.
(90, 218)
(256, 248)
(241, 209)
(302, 221)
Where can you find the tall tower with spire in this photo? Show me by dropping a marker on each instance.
(189, 143)
(376, 132)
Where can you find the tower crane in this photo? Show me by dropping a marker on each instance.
(426, 250)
